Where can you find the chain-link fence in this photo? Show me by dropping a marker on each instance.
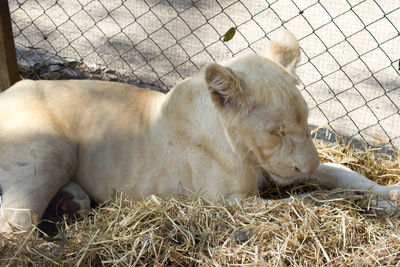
(350, 48)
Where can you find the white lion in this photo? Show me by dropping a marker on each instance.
(212, 134)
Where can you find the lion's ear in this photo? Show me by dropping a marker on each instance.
(224, 87)
(284, 48)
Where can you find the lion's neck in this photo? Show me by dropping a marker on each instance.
(189, 108)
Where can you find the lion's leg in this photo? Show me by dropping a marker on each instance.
(70, 200)
(31, 173)
(334, 175)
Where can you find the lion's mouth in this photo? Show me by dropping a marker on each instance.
(282, 180)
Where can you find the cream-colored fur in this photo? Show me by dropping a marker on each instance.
(211, 134)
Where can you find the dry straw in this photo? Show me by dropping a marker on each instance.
(327, 228)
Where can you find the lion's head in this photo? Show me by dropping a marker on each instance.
(263, 110)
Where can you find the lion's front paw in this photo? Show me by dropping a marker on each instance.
(384, 205)
(389, 199)
(394, 194)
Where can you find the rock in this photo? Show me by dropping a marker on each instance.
(243, 235)
(112, 77)
(70, 73)
(95, 71)
(54, 68)
(92, 66)
(110, 71)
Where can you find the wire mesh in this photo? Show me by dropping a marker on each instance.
(349, 70)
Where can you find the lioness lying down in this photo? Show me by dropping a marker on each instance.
(212, 134)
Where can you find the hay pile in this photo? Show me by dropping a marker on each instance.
(337, 230)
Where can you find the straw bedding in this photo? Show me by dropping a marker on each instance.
(331, 228)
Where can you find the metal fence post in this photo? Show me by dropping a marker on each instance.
(8, 60)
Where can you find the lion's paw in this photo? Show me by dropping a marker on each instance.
(394, 194)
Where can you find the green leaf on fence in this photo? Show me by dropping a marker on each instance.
(229, 34)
